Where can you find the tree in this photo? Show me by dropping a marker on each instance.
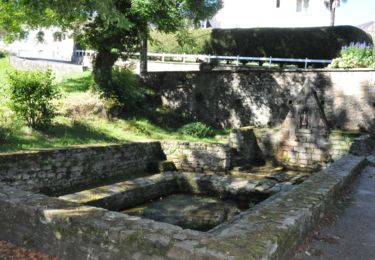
(115, 28)
(331, 5)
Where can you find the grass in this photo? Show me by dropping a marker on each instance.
(68, 130)
(77, 82)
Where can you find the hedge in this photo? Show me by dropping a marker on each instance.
(313, 43)
(195, 42)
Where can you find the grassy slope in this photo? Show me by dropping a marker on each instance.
(67, 131)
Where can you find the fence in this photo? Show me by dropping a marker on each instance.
(208, 58)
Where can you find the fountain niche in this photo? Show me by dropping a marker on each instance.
(305, 130)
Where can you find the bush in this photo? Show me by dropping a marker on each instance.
(31, 95)
(313, 43)
(125, 91)
(356, 55)
(3, 54)
(197, 129)
(4, 134)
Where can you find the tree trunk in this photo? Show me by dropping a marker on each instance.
(333, 16)
(102, 70)
(143, 60)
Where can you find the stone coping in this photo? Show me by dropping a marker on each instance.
(268, 231)
(134, 192)
(76, 147)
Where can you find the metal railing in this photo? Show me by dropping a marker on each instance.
(208, 58)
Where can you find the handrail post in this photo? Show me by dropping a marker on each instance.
(184, 58)
(163, 57)
(270, 63)
(209, 58)
(238, 60)
(305, 63)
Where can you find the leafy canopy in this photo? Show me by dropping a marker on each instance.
(112, 27)
(18, 16)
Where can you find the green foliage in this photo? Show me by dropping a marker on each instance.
(4, 133)
(31, 95)
(114, 28)
(357, 55)
(191, 41)
(285, 42)
(3, 54)
(197, 129)
(124, 90)
(263, 42)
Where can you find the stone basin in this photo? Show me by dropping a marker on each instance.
(188, 211)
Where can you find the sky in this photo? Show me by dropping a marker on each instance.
(355, 12)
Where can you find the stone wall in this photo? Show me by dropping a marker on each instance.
(59, 68)
(271, 230)
(58, 169)
(197, 156)
(263, 97)
(309, 152)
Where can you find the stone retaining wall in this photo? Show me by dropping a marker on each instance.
(59, 68)
(198, 157)
(53, 170)
(262, 97)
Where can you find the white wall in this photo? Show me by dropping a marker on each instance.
(263, 13)
(48, 49)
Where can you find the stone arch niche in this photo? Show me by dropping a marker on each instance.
(304, 135)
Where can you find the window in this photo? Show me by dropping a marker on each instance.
(303, 5)
(278, 3)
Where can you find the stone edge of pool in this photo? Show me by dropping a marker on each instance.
(271, 230)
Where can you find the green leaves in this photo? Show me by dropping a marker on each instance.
(357, 55)
(104, 25)
(197, 129)
(31, 95)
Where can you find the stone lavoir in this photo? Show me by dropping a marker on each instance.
(241, 215)
(183, 200)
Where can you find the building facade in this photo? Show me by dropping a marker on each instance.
(50, 44)
(271, 13)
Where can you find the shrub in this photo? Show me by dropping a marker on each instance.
(4, 134)
(356, 55)
(3, 54)
(125, 90)
(313, 43)
(197, 129)
(31, 95)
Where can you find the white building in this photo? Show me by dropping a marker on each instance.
(44, 44)
(271, 13)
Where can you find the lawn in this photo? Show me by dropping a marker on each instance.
(81, 128)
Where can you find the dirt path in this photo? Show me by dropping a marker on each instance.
(352, 236)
